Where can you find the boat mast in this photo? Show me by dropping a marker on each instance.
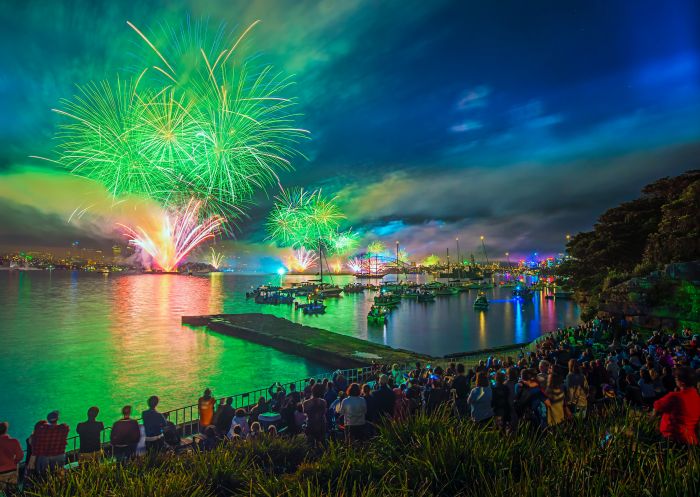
(448, 262)
(483, 246)
(397, 261)
(459, 260)
(320, 259)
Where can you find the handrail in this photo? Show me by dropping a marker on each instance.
(186, 417)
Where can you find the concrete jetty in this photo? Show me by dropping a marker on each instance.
(321, 346)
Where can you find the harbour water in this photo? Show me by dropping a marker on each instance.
(70, 340)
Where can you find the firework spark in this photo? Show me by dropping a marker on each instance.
(303, 219)
(213, 129)
(301, 260)
(355, 264)
(216, 259)
(376, 248)
(180, 232)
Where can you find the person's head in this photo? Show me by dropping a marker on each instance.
(312, 382)
(366, 390)
(237, 430)
(353, 390)
(92, 413)
(460, 368)
(500, 378)
(52, 417)
(544, 366)
(210, 431)
(207, 392)
(300, 407)
(272, 430)
(573, 366)
(240, 413)
(4, 426)
(153, 401)
(646, 377)
(394, 367)
(292, 387)
(341, 394)
(686, 377)
(255, 427)
(330, 386)
(383, 380)
(513, 374)
(126, 411)
(262, 401)
(482, 379)
(229, 400)
(529, 377)
(554, 381)
(318, 390)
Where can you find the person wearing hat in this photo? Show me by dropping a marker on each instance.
(49, 443)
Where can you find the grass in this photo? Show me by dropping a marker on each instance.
(424, 456)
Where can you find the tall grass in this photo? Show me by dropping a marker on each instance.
(424, 456)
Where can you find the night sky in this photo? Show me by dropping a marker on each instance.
(521, 121)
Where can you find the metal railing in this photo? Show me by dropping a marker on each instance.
(186, 418)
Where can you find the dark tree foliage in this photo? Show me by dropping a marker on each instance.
(660, 227)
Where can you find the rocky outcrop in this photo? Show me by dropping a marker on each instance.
(664, 299)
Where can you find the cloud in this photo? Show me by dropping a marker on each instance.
(520, 207)
(466, 126)
(474, 98)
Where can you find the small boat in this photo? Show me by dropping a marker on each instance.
(354, 288)
(481, 302)
(426, 297)
(325, 290)
(314, 307)
(387, 299)
(522, 292)
(562, 294)
(377, 315)
(549, 296)
(446, 290)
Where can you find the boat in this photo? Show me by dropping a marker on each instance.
(481, 302)
(315, 307)
(387, 299)
(324, 290)
(377, 315)
(522, 292)
(354, 288)
(446, 290)
(274, 297)
(426, 297)
(563, 294)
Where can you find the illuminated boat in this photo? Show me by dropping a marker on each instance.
(387, 299)
(325, 290)
(354, 288)
(481, 302)
(426, 297)
(314, 307)
(522, 292)
(377, 315)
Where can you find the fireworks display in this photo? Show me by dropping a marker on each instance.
(303, 219)
(355, 264)
(301, 260)
(199, 123)
(216, 259)
(431, 260)
(376, 248)
(175, 236)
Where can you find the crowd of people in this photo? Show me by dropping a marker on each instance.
(572, 372)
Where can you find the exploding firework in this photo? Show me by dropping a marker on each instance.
(376, 248)
(336, 266)
(345, 242)
(216, 259)
(403, 256)
(180, 231)
(301, 260)
(207, 126)
(302, 219)
(355, 264)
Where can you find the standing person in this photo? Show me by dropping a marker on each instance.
(90, 432)
(680, 410)
(576, 388)
(555, 394)
(480, 399)
(205, 407)
(353, 409)
(461, 388)
(315, 410)
(153, 424)
(500, 400)
(224, 415)
(383, 399)
(49, 443)
(11, 455)
(530, 401)
(125, 436)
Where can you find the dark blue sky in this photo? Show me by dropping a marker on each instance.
(519, 120)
